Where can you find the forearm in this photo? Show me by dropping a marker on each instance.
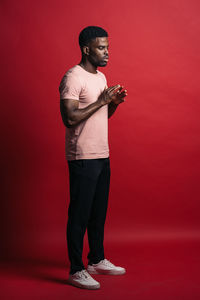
(111, 108)
(78, 115)
(72, 115)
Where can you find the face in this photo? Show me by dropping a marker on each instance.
(98, 52)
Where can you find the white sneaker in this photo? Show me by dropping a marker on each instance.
(82, 279)
(105, 267)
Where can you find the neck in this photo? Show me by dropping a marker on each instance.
(86, 65)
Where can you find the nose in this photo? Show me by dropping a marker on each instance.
(106, 51)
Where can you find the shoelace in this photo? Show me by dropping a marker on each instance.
(84, 274)
(107, 263)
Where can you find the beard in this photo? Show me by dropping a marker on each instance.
(102, 63)
(97, 62)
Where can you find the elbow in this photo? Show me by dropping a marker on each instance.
(68, 118)
(70, 123)
(67, 122)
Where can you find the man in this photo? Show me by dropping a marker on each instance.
(86, 103)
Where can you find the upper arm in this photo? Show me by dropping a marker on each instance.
(67, 108)
(70, 89)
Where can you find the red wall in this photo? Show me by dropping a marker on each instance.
(154, 135)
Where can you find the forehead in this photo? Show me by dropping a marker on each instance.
(99, 41)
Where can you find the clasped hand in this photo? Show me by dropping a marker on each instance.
(114, 94)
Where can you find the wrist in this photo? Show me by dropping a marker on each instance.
(100, 102)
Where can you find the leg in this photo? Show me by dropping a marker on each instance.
(83, 180)
(97, 219)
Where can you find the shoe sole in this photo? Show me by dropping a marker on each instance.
(82, 286)
(106, 272)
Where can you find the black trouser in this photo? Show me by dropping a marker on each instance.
(89, 189)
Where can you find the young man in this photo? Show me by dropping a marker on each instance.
(86, 103)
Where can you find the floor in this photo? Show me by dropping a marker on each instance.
(156, 270)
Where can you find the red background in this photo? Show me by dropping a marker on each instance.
(154, 136)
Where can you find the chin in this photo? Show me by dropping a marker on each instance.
(103, 64)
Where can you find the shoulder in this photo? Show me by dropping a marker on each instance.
(72, 76)
(73, 72)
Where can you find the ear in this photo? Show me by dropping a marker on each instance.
(86, 50)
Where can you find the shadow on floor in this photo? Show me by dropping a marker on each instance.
(38, 269)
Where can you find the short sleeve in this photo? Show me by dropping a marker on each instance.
(70, 87)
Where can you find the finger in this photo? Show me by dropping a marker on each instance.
(112, 88)
(123, 92)
(114, 92)
(123, 96)
(119, 92)
(121, 88)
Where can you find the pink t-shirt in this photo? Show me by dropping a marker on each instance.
(89, 139)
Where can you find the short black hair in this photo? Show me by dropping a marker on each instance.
(89, 33)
